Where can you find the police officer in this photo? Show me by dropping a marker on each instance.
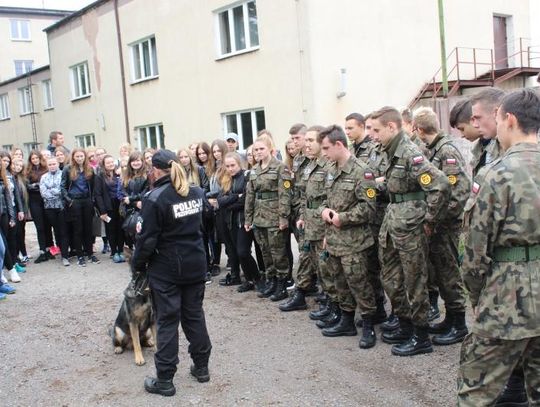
(418, 194)
(170, 249)
(501, 263)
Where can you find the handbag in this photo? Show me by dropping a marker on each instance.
(97, 224)
(130, 222)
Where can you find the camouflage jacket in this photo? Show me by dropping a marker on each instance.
(483, 155)
(268, 198)
(351, 193)
(446, 157)
(504, 213)
(410, 173)
(299, 163)
(419, 143)
(362, 150)
(378, 164)
(314, 178)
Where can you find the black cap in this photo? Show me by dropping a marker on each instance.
(162, 159)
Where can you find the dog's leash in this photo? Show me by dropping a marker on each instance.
(137, 285)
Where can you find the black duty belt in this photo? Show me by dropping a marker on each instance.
(266, 195)
(516, 253)
(411, 196)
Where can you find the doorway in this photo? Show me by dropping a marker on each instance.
(500, 46)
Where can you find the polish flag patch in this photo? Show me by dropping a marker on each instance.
(451, 161)
(475, 188)
(418, 159)
(368, 175)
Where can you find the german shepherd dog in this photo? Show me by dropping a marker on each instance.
(135, 324)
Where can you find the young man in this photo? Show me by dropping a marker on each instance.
(460, 119)
(502, 259)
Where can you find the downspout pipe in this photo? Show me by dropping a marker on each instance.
(122, 70)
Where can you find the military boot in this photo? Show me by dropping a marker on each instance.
(281, 290)
(164, 387)
(380, 314)
(444, 326)
(270, 288)
(332, 318)
(345, 326)
(391, 323)
(514, 393)
(456, 333)
(368, 338)
(295, 303)
(260, 285)
(323, 311)
(418, 343)
(402, 334)
(433, 312)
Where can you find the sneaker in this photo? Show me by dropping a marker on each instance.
(65, 262)
(49, 255)
(105, 249)
(25, 259)
(41, 258)
(2, 296)
(20, 268)
(14, 276)
(116, 258)
(208, 279)
(81, 262)
(7, 289)
(122, 258)
(93, 259)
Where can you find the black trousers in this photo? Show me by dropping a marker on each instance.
(10, 241)
(57, 218)
(176, 304)
(80, 215)
(242, 241)
(113, 229)
(21, 237)
(43, 228)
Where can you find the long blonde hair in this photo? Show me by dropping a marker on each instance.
(179, 179)
(226, 180)
(193, 176)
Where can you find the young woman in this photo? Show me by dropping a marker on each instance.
(35, 169)
(132, 189)
(78, 193)
(291, 151)
(17, 170)
(148, 153)
(195, 173)
(92, 157)
(267, 210)
(17, 153)
(231, 202)
(193, 149)
(61, 155)
(108, 204)
(204, 160)
(50, 187)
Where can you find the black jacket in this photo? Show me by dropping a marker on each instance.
(134, 190)
(169, 245)
(102, 196)
(232, 202)
(66, 185)
(5, 199)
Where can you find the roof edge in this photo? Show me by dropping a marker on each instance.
(30, 73)
(35, 11)
(74, 15)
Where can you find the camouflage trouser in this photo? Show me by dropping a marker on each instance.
(444, 271)
(273, 247)
(374, 269)
(325, 278)
(306, 269)
(352, 283)
(486, 364)
(404, 274)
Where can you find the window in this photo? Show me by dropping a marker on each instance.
(151, 136)
(28, 147)
(4, 107)
(246, 124)
(7, 147)
(23, 66)
(25, 100)
(85, 140)
(80, 81)
(237, 29)
(47, 94)
(144, 60)
(20, 30)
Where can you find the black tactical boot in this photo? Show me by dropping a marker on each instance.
(323, 311)
(230, 279)
(419, 343)
(380, 314)
(433, 312)
(456, 333)
(260, 285)
(165, 387)
(444, 326)
(514, 394)
(200, 373)
(270, 288)
(345, 326)
(368, 338)
(245, 286)
(400, 335)
(312, 290)
(332, 318)
(296, 302)
(391, 323)
(281, 291)
(321, 296)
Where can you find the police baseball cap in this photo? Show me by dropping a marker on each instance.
(162, 159)
(231, 136)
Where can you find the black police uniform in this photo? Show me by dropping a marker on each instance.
(170, 247)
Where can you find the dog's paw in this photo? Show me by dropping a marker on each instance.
(150, 343)
(139, 361)
(118, 350)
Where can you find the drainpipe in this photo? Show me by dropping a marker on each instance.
(443, 49)
(122, 71)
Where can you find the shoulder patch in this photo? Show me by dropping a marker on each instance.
(475, 188)
(451, 161)
(371, 193)
(286, 184)
(452, 179)
(368, 175)
(418, 159)
(425, 179)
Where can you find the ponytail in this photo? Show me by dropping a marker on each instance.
(179, 179)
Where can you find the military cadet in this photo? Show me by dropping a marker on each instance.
(460, 119)
(502, 262)
(407, 123)
(267, 210)
(443, 243)
(364, 148)
(348, 210)
(418, 194)
(310, 223)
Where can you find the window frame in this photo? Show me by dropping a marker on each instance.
(7, 147)
(81, 140)
(5, 113)
(247, 34)
(239, 130)
(25, 100)
(160, 136)
(153, 63)
(18, 21)
(72, 70)
(24, 63)
(46, 88)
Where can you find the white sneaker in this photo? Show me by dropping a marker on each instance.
(3, 277)
(14, 276)
(65, 262)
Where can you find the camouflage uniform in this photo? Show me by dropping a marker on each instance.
(314, 178)
(369, 153)
(351, 193)
(268, 201)
(419, 143)
(306, 269)
(501, 272)
(484, 154)
(418, 194)
(443, 243)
